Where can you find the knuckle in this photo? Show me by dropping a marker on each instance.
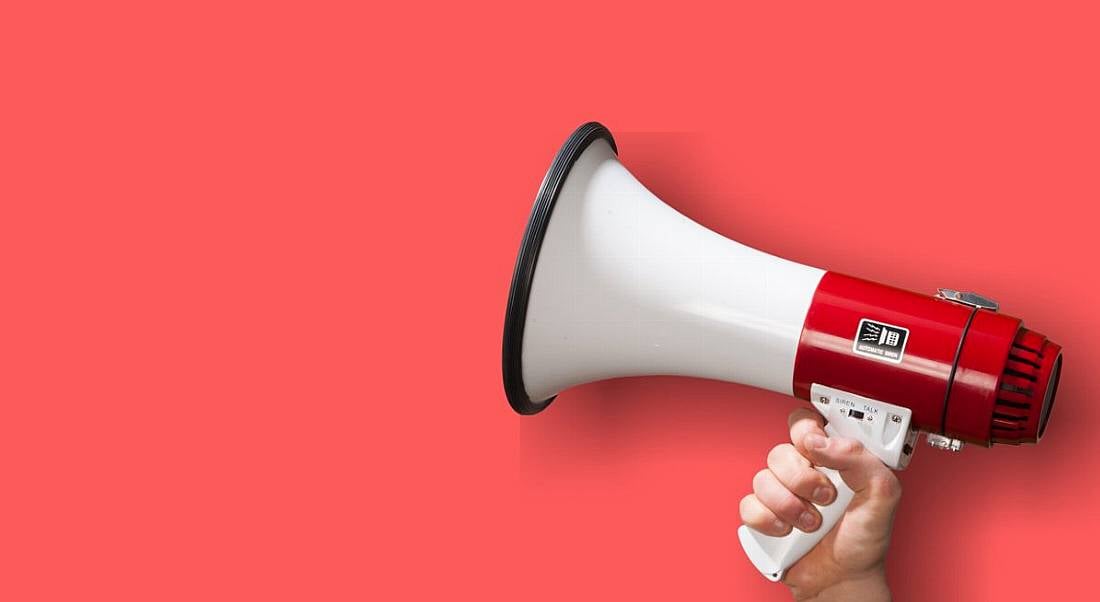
(887, 485)
(747, 508)
(790, 509)
(776, 497)
(760, 478)
(798, 414)
(780, 454)
(850, 446)
(810, 479)
(774, 529)
(757, 516)
(757, 522)
(803, 419)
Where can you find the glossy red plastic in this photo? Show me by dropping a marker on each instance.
(919, 381)
(972, 374)
(969, 414)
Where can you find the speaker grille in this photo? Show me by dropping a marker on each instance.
(1026, 389)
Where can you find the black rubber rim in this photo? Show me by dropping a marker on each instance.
(1048, 401)
(954, 368)
(528, 258)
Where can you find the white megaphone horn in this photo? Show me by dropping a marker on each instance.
(612, 282)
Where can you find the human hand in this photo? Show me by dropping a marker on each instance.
(849, 563)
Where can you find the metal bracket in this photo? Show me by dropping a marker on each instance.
(944, 443)
(968, 298)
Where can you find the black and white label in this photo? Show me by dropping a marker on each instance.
(881, 341)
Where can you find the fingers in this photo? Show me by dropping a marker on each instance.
(796, 473)
(757, 516)
(859, 468)
(785, 505)
(802, 422)
(783, 491)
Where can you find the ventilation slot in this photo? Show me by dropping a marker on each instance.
(1013, 409)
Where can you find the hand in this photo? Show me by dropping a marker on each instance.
(848, 564)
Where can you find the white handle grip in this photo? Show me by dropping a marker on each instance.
(772, 556)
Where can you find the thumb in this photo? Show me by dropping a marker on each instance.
(860, 469)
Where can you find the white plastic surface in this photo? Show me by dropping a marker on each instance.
(772, 556)
(625, 285)
(881, 427)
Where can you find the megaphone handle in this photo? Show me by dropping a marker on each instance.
(772, 556)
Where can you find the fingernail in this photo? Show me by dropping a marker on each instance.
(806, 521)
(780, 525)
(821, 495)
(815, 441)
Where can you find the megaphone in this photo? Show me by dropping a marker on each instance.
(610, 282)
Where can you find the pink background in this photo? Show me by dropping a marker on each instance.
(255, 257)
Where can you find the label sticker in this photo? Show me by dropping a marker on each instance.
(881, 341)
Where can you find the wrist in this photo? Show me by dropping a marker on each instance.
(870, 586)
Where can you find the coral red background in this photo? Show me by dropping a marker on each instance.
(254, 260)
